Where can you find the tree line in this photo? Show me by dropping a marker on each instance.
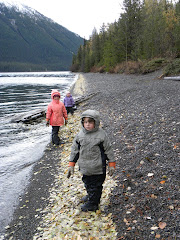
(145, 30)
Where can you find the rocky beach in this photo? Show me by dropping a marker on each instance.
(141, 114)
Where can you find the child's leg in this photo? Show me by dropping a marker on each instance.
(67, 109)
(94, 186)
(71, 110)
(55, 137)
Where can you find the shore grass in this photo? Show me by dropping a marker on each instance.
(169, 67)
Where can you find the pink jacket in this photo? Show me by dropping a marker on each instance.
(56, 111)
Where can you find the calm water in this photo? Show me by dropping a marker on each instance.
(22, 145)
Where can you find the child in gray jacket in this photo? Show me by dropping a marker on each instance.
(91, 149)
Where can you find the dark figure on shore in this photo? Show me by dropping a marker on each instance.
(69, 103)
(91, 148)
(56, 115)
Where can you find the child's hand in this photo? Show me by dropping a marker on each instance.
(111, 171)
(70, 171)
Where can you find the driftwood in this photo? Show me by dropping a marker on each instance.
(28, 117)
(172, 78)
(40, 113)
(81, 99)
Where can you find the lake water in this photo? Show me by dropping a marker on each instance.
(22, 145)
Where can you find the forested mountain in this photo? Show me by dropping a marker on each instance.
(29, 41)
(145, 30)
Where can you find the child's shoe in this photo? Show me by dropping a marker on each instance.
(89, 207)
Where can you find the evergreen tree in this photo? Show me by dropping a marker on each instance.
(177, 30)
(95, 46)
(111, 45)
(131, 27)
(144, 31)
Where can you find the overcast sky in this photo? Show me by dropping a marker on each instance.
(79, 16)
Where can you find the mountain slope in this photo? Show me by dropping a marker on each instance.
(31, 41)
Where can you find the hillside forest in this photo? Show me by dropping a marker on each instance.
(146, 30)
(29, 41)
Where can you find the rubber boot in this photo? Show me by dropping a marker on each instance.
(85, 198)
(89, 207)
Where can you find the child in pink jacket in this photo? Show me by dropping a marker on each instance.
(56, 115)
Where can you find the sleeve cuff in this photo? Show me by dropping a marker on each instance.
(112, 164)
(72, 164)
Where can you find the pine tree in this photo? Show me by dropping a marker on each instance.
(131, 27)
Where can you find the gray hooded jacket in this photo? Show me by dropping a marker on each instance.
(91, 148)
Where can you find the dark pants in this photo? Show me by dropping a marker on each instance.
(55, 137)
(70, 110)
(94, 186)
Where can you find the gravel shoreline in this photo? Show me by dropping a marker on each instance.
(141, 117)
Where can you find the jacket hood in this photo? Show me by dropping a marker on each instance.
(55, 92)
(70, 96)
(92, 114)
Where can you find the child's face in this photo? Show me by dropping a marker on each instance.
(56, 97)
(68, 94)
(88, 124)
